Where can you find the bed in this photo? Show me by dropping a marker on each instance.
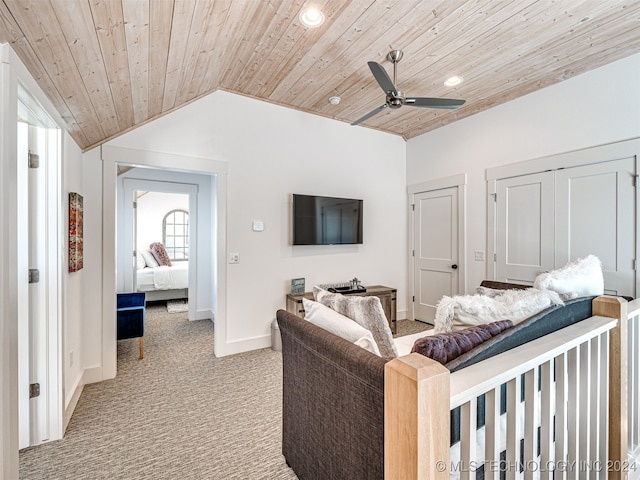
(164, 282)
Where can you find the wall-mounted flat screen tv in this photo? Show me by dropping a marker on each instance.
(326, 220)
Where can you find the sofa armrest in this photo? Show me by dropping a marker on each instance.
(333, 404)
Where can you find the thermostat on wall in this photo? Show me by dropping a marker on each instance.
(258, 225)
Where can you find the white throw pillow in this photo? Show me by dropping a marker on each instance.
(149, 259)
(140, 261)
(582, 277)
(339, 325)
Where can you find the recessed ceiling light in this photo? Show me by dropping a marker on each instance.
(453, 81)
(311, 17)
(335, 100)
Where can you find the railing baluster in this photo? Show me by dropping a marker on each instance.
(514, 432)
(603, 402)
(585, 401)
(573, 409)
(634, 382)
(468, 427)
(561, 450)
(546, 419)
(492, 434)
(531, 408)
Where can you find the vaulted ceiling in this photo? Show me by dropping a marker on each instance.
(111, 65)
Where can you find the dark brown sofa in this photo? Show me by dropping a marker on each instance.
(333, 393)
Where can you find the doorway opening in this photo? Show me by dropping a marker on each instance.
(160, 226)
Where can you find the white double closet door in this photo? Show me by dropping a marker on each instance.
(545, 220)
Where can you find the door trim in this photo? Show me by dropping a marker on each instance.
(111, 156)
(459, 181)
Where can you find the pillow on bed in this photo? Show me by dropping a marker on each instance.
(582, 277)
(160, 254)
(140, 261)
(339, 325)
(445, 347)
(149, 259)
(463, 311)
(366, 311)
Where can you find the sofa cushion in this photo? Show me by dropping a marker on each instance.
(463, 311)
(339, 325)
(445, 347)
(582, 277)
(366, 311)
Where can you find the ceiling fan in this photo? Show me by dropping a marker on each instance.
(395, 98)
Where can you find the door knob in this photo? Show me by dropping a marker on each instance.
(454, 266)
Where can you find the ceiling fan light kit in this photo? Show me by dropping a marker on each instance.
(394, 98)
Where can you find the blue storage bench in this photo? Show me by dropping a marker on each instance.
(131, 313)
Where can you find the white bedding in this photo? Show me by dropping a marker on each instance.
(163, 278)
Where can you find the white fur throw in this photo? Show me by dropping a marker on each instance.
(366, 311)
(582, 277)
(462, 311)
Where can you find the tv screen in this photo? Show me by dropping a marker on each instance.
(326, 220)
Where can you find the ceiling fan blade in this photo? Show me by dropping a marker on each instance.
(382, 77)
(370, 114)
(434, 102)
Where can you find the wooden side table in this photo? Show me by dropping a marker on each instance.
(387, 296)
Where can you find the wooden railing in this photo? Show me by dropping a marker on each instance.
(580, 389)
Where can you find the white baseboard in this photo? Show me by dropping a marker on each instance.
(248, 344)
(205, 314)
(93, 375)
(402, 314)
(73, 402)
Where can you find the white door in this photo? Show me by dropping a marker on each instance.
(33, 329)
(545, 220)
(435, 250)
(595, 214)
(525, 227)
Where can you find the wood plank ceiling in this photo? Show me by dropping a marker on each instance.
(111, 65)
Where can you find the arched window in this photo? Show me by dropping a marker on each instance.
(175, 233)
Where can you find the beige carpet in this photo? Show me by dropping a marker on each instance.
(180, 413)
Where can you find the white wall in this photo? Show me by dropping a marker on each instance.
(152, 208)
(92, 332)
(72, 282)
(598, 107)
(272, 152)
